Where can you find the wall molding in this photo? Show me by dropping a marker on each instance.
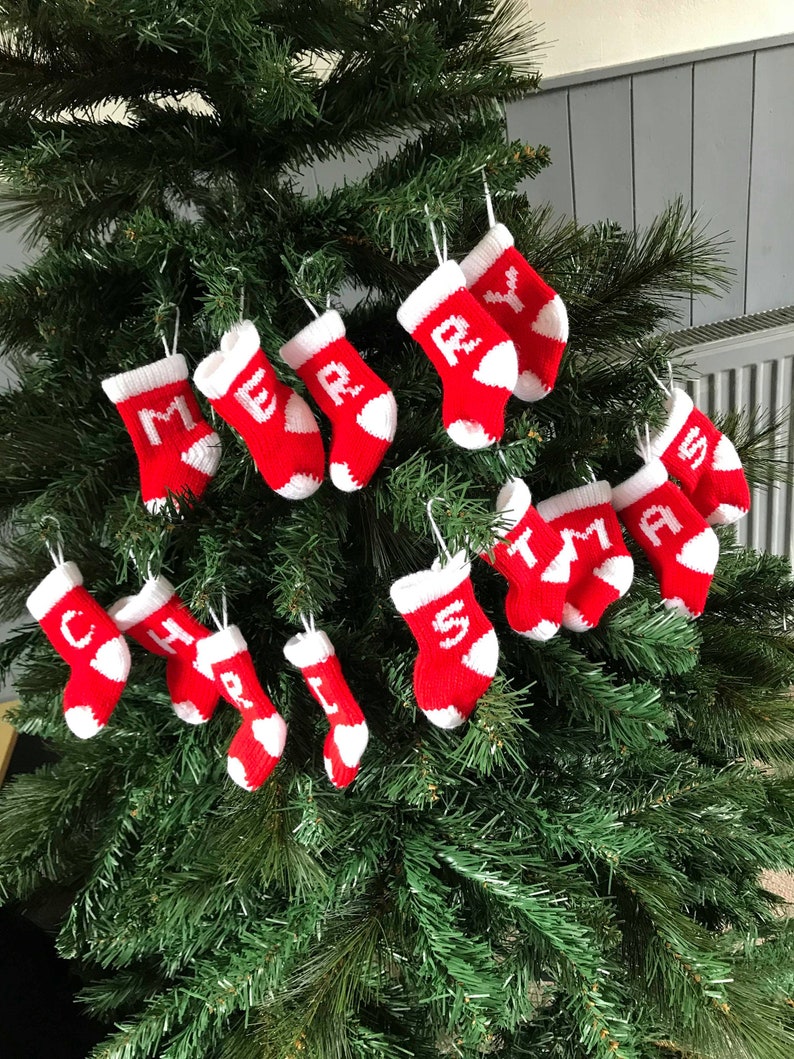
(663, 62)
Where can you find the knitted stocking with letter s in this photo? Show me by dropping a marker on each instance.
(458, 649)
(703, 460)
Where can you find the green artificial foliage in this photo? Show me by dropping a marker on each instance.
(575, 874)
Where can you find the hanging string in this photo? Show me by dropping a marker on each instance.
(644, 446)
(308, 625)
(590, 471)
(311, 307)
(218, 624)
(442, 543)
(488, 201)
(172, 351)
(659, 382)
(149, 571)
(56, 554)
(441, 249)
(56, 551)
(502, 457)
(298, 283)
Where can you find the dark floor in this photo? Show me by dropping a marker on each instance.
(39, 1018)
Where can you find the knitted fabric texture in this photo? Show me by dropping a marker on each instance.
(458, 649)
(159, 621)
(703, 460)
(259, 742)
(523, 305)
(276, 423)
(85, 637)
(314, 654)
(680, 545)
(178, 452)
(600, 567)
(528, 555)
(475, 358)
(360, 405)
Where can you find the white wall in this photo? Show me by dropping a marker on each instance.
(589, 34)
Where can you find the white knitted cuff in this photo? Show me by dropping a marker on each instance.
(315, 336)
(132, 610)
(150, 377)
(416, 590)
(679, 407)
(308, 648)
(53, 588)
(512, 504)
(219, 647)
(584, 496)
(216, 374)
(646, 479)
(489, 249)
(438, 286)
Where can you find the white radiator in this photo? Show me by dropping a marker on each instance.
(747, 364)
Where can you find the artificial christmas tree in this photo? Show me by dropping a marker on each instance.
(573, 872)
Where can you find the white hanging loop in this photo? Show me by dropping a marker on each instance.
(488, 201)
(440, 249)
(590, 471)
(149, 570)
(308, 623)
(660, 384)
(56, 554)
(437, 532)
(56, 549)
(311, 308)
(172, 351)
(220, 625)
(298, 286)
(234, 268)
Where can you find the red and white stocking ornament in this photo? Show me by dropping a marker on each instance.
(313, 653)
(275, 422)
(458, 649)
(360, 405)
(523, 305)
(475, 358)
(529, 553)
(681, 546)
(598, 566)
(259, 743)
(178, 452)
(85, 637)
(703, 460)
(159, 621)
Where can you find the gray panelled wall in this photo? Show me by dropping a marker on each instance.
(715, 128)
